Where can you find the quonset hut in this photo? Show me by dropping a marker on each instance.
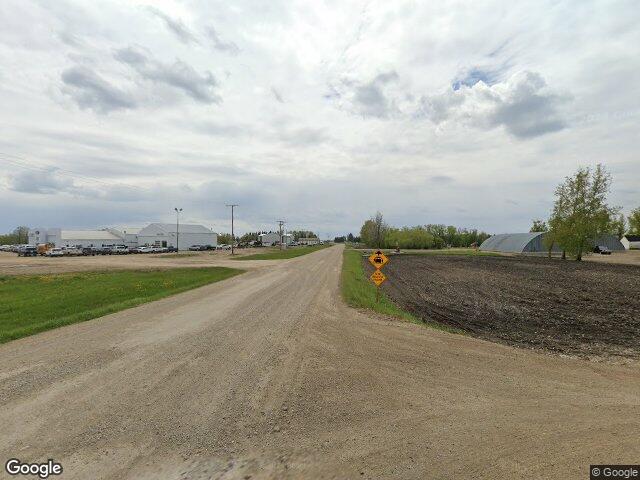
(534, 243)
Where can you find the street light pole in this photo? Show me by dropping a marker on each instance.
(232, 205)
(178, 210)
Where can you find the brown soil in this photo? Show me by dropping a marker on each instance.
(584, 309)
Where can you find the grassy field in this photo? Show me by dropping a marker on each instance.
(358, 291)
(33, 303)
(282, 254)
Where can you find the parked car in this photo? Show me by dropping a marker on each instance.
(602, 250)
(223, 246)
(144, 249)
(55, 252)
(28, 251)
(119, 250)
(88, 251)
(197, 248)
(5, 248)
(172, 249)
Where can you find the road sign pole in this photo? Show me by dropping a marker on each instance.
(378, 260)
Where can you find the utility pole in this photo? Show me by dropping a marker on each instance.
(232, 205)
(178, 210)
(280, 225)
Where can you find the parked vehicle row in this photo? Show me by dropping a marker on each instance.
(49, 250)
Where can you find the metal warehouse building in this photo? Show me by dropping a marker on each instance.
(157, 234)
(164, 235)
(73, 238)
(534, 243)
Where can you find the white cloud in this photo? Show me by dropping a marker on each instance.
(523, 105)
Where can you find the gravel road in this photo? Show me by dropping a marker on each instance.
(269, 375)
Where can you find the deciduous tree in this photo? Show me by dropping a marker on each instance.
(580, 212)
(634, 222)
(539, 226)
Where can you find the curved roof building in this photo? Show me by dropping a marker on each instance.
(534, 243)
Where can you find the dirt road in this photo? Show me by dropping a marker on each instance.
(269, 375)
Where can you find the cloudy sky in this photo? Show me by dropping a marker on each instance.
(320, 113)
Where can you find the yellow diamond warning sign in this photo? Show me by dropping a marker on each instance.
(378, 259)
(378, 277)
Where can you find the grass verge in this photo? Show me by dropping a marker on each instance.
(282, 254)
(358, 291)
(33, 303)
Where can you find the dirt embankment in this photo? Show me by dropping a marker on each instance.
(584, 309)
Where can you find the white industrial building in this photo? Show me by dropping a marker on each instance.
(309, 241)
(164, 235)
(631, 242)
(157, 234)
(129, 235)
(73, 238)
(269, 239)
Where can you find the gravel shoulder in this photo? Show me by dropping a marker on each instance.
(269, 375)
(11, 264)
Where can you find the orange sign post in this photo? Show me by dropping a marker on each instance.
(378, 260)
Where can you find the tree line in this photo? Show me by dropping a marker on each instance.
(18, 236)
(376, 233)
(351, 238)
(581, 214)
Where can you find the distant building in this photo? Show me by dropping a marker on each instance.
(631, 242)
(534, 243)
(309, 241)
(157, 234)
(164, 235)
(129, 235)
(74, 238)
(269, 239)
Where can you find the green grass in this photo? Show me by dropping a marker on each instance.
(360, 292)
(33, 303)
(282, 254)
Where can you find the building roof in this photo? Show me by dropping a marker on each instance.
(87, 235)
(184, 228)
(633, 238)
(508, 242)
(129, 230)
